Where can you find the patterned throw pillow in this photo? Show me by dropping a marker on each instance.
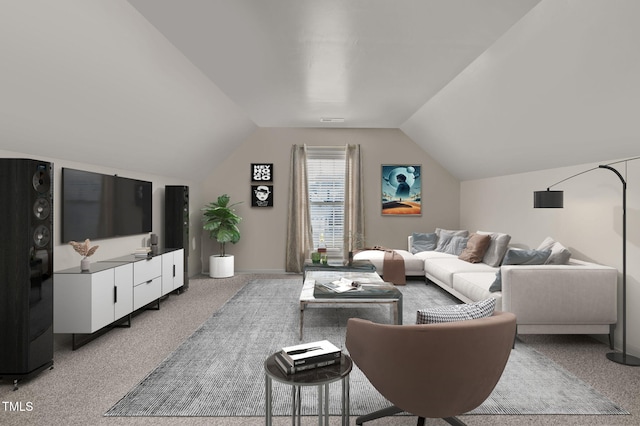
(462, 312)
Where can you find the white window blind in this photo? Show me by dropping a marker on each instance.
(326, 168)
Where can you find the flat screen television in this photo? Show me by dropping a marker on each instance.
(98, 206)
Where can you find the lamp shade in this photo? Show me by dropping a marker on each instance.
(548, 199)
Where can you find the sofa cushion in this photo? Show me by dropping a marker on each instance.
(462, 312)
(451, 244)
(421, 241)
(426, 255)
(474, 286)
(560, 255)
(497, 247)
(476, 248)
(443, 269)
(520, 257)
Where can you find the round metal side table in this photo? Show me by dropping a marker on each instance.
(319, 377)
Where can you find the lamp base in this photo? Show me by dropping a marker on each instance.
(624, 359)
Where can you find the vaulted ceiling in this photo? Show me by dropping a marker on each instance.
(486, 87)
(288, 63)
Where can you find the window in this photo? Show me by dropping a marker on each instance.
(326, 168)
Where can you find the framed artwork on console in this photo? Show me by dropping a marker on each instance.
(401, 190)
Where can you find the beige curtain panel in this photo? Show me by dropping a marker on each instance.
(353, 200)
(299, 237)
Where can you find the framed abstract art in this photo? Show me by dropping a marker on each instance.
(401, 190)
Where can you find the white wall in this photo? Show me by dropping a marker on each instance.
(64, 255)
(559, 88)
(262, 246)
(93, 86)
(94, 82)
(590, 224)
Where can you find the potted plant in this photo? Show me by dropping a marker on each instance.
(221, 221)
(85, 250)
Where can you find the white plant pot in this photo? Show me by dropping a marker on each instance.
(221, 267)
(85, 264)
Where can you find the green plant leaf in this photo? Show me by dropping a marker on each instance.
(220, 220)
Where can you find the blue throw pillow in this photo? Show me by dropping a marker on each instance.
(520, 257)
(423, 242)
(451, 244)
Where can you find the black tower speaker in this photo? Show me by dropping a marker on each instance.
(176, 222)
(26, 267)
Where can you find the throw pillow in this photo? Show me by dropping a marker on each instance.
(497, 248)
(451, 244)
(519, 257)
(560, 255)
(423, 242)
(476, 248)
(459, 232)
(462, 312)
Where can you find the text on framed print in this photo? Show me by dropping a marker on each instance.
(262, 172)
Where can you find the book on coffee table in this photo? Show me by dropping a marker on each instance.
(342, 285)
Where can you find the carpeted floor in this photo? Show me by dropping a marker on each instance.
(85, 383)
(218, 370)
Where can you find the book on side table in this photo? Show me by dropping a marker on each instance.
(306, 356)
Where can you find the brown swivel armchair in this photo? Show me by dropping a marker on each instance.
(432, 370)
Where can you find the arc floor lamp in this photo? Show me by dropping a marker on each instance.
(555, 199)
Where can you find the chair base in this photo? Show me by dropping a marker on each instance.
(390, 411)
(385, 412)
(454, 421)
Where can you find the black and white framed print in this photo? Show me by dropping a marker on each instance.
(401, 190)
(262, 172)
(261, 195)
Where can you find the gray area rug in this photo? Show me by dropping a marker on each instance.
(218, 371)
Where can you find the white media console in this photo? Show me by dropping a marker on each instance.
(85, 302)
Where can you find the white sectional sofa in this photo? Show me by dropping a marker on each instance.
(414, 266)
(573, 298)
